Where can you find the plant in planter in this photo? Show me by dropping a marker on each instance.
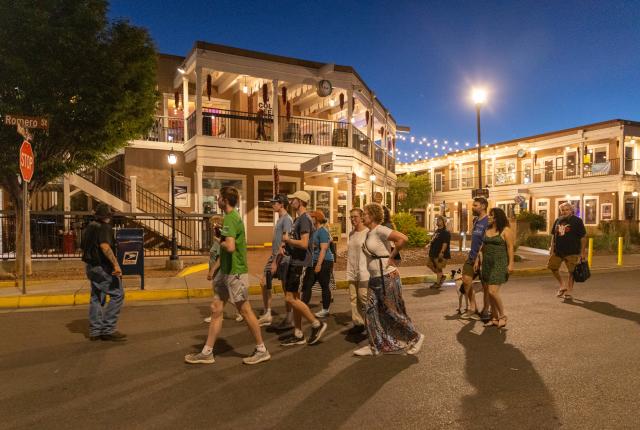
(536, 222)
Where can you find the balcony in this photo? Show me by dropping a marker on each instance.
(166, 129)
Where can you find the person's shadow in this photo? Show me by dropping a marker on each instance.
(509, 392)
(606, 308)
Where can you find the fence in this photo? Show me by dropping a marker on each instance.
(58, 234)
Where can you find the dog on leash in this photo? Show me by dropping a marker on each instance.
(456, 276)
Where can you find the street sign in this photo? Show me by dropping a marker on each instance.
(27, 121)
(27, 161)
(480, 192)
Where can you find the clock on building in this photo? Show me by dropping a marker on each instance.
(521, 153)
(324, 88)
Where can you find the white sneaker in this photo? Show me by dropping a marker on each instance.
(265, 320)
(415, 348)
(207, 319)
(322, 314)
(363, 352)
(239, 318)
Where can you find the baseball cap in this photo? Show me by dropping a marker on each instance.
(280, 198)
(303, 196)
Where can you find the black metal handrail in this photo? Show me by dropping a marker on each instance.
(361, 142)
(237, 124)
(312, 131)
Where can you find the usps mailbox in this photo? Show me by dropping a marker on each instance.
(130, 251)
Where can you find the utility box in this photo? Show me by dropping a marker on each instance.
(130, 252)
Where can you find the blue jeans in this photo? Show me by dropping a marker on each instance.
(103, 284)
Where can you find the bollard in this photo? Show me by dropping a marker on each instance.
(590, 254)
(619, 251)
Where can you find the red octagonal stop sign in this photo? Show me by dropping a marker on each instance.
(27, 161)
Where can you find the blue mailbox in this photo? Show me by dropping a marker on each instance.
(130, 251)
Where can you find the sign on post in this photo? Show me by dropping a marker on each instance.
(27, 121)
(27, 161)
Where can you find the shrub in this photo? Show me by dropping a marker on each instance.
(418, 237)
(404, 222)
(536, 222)
(538, 241)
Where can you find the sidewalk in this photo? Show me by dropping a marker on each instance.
(76, 292)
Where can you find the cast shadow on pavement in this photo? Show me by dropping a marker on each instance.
(79, 327)
(426, 291)
(606, 308)
(509, 392)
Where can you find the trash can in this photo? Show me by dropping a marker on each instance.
(130, 252)
(69, 243)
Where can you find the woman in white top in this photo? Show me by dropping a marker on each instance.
(357, 273)
(388, 326)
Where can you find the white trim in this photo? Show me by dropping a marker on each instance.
(320, 188)
(584, 209)
(268, 178)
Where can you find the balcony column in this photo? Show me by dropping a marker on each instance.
(350, 117)
(582, 154)
(199, 100)
(620, 201)
(276, 111)
(197, 178)
(385, 145)
(349, 205)
(370, 127)
(133, 181)
(185, 106)
(621, 151)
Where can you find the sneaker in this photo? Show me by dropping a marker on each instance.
(469, 315)
(316, 333)
(485, 317)
(323, 313)
(415, 348)
(265, 320)
(116, 336)
(257, 357)
(207, 320)
(363, 352)
(199, 358)
(293, 340)
(239, 318)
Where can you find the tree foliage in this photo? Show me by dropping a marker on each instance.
(94, 79)
(415, 193)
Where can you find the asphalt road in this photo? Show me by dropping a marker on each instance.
(558, 365)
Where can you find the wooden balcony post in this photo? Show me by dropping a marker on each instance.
(198, 100)
(185, 106)
(276, 111)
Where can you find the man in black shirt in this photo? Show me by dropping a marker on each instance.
(439, 251)
(105, 274)
(568, 245)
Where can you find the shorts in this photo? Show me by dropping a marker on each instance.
(436, 264)
(233, 288)
(570, 261)
(294, 278)
(467, 270)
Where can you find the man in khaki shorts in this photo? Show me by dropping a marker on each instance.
(568, 245)
(231, 283)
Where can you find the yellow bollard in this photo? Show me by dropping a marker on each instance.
(619, 251)
(590, 254)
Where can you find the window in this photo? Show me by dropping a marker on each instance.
(505, 172)
(572, 164)
(549, 171)
(628, 159)
(509, 208)
(488, 173)
(467, 177)
(211, 190)
(264, 193)
(542, 209)
(453, 177)
(591, 210)
(438, 182)
(527, 174)
(322, 200)
(575, 202)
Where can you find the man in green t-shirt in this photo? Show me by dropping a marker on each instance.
(231, 282)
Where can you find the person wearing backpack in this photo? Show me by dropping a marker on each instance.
(322, 264)
(105, 275)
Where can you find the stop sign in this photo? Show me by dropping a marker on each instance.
(27, 161)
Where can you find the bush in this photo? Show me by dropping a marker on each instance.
(404, 222)
(536, 222)
(538, 241)
(418, 237)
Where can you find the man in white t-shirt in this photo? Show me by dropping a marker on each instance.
(357, 273)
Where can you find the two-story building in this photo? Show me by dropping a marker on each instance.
(596, 167)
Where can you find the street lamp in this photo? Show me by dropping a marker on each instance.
(172, 158)
(372, 178)
(479, 96)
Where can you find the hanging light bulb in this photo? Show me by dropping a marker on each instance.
(245, 88)
(331, 103)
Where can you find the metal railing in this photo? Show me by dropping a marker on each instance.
(191, 126)
(313, 131)
(236, 124)
(378, 155)
(166, 129)
(391, 164)
(109, 180)
(361, 142)
(58, 234)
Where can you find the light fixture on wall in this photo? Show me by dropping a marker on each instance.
(245, 89)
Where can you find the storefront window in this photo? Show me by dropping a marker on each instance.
(572, 164)
(505, 172)
(321, 201)
(628, 159)
(467, 177)
(590, 211)
(211, 190)
(265, 193)
(526, 172)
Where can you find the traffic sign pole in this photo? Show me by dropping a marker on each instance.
(24, 236)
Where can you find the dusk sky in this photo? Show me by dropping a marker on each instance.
(547, 65)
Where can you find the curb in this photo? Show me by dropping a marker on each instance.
(82, 298)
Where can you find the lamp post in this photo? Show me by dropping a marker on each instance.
(372, 178)
(173, 159)
(479, 96)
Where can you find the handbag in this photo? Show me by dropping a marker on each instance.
(581, 272)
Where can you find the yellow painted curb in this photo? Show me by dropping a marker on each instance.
(9, 302)
(144, 295)
(193, 269)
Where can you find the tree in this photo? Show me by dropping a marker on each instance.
(93, 78)
(413, 191)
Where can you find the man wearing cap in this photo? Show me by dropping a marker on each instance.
(298, 248)
(279, 204)
(105, 276)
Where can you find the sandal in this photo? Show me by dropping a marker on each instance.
(502, 322)
(568, 297)
(561, 292)
(491, 322)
